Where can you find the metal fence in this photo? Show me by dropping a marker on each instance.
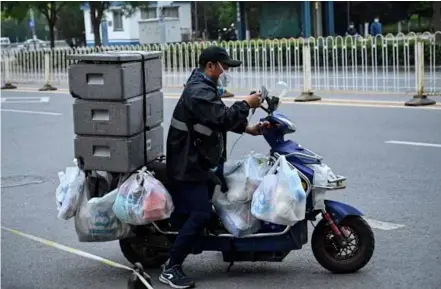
(335, 64)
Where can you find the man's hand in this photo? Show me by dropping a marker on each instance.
(254, 100)
(257, 128)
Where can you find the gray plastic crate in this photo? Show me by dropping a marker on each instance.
(117, 118)
(117, 154)
(114, 76)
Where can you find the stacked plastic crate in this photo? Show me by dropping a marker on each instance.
(118, 109)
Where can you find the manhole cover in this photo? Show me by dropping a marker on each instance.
(18, 181)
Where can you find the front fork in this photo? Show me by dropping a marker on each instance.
(339, 232)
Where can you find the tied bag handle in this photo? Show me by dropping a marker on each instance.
(273, 169)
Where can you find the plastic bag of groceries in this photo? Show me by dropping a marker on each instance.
(68, 191)
(95, 220)
(244, 180)
(322, 174)
(280, 197)
(236, 217)
(142, 199)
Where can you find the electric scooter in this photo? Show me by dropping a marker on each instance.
(342, 241)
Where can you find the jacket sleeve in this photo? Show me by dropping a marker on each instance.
(212, 112)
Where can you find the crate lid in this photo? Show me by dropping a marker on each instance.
(115, 56)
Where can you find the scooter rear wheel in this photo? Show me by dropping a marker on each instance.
(136, 251)
(348, 259)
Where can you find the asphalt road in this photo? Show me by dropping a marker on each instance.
(394, 183)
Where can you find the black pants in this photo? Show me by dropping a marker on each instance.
(192, 215)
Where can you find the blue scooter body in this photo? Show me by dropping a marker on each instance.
(275, 247)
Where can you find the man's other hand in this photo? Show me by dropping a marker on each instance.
(257, 128)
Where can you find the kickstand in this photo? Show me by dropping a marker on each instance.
(230, 265)
(135, 282)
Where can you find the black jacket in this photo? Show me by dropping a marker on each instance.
(196, 138)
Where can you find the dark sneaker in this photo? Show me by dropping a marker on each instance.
(175, 277)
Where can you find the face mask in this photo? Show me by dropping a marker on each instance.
(377, 20)
(351, 26)
(220, 91)
(224, 78)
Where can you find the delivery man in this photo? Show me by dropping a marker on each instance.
(195, 147)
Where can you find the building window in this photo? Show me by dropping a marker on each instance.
(172, 12)
(149, 13)
(118, 20)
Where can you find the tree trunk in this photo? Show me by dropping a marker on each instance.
(95, 20)
(52, 34)
(96, 33)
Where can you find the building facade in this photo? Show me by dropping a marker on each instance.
(118, 29)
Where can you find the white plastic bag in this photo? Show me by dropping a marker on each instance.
(68, 191)
(142, 199)
(244, 180)
(280, 198)
(236, 217)
(95, 220)
(322, 174)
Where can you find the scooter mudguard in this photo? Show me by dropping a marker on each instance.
(339, 211)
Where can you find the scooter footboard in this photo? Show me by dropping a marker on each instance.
(339, 211)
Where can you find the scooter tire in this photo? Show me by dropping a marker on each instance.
(321, 249)
(151, 260)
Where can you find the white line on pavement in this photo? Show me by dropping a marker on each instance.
(31, 112)
(386, 226)
(25, 99)
(410, 143)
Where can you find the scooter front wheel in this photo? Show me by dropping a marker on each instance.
(348, 258)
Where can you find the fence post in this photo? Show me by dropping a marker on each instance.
(421, 97)
(307, 94)
(8, 84)
(47, 73)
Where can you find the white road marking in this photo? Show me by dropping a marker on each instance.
(379, 225)
(410, 143)
(25, 99)
(31, 112)
(386, 226)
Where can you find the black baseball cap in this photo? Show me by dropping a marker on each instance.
(217, 54)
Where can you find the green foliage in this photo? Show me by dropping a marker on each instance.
(50, 10)
(15, 10)
(226, 12)
(19, 31)
(70, 24)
